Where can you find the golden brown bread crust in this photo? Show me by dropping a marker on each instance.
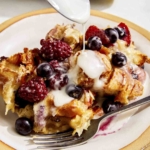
(51, 119)
(68, 34)
(76, 114)
(118, 82)
(14, 71)
(82, 79)
(123, 86)
(72, 109)
(133, 54)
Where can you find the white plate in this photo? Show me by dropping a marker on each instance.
(27, 33)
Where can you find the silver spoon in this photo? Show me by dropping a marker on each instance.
(75, 10)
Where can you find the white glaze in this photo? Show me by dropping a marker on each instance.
(75, 10)
(98, 84)
(60, 97)
(73, 74)
(91, 65)
(83, 31)
(93, 68)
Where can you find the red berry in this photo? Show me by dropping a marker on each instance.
(33, 90)
(21, 103)
(54, 49)
(91, 31)
(95, 31)
(58, 81)
(127, 36)
(59, 67)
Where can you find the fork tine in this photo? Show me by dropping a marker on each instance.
(54, 139)
(50, 140)
(57, 135)
(59, 144)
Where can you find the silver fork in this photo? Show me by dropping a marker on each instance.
(66, 140)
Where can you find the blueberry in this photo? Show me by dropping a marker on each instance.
(119, 59)
(74, 91)
(94, 43)
(109, 105)
(120, 31)
(44, 70)
(112, 34)
(23, 126)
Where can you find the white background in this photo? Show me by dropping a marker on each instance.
(137, 11)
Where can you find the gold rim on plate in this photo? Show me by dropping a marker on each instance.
(111, 17)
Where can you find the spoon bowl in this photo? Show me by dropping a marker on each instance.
(75, 10)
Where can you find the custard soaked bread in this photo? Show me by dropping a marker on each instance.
(55, 88)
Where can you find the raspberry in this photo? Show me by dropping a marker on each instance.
(59, 67)
(21, 103)
(57, 81)
(54, 49)
(95, 31)
(33, 90)
(127, 36)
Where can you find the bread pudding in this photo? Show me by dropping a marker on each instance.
(61, 86)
